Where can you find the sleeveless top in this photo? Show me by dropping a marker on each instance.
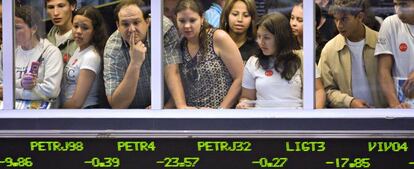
(206, 79)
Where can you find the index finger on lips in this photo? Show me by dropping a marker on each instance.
(131, 39)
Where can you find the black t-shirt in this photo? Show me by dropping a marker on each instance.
(248, 49)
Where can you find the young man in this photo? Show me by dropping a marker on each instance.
(60, 12)
(348, 65)
(127, 59)
(395, 51)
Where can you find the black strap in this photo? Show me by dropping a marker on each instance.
(40, 59)
(63, 45)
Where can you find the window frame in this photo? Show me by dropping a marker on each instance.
(157, 114)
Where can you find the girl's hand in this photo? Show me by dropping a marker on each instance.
(243, 104)
(28, 81)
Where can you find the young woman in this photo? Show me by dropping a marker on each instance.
(81, 78)
(38, 63)
(274, 76)
(212, 66)
(296, 23)
(238, 19)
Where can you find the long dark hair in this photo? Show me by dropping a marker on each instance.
(99, 37)
(196, 6)
(299, 4)
(251, 8)
(287, 62)
(100, 34)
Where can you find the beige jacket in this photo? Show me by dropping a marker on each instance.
(335, 66)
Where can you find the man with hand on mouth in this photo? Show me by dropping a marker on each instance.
(127, 58)
(347, 64)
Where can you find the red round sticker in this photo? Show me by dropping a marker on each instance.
(269, 73)
(403, 47)
(66, 58)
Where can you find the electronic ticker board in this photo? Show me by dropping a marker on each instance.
(207, 153)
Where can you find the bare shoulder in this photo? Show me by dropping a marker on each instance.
(220, 36)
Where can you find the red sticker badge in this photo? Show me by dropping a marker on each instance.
(66, 58)
(403, 47)
(269, 73)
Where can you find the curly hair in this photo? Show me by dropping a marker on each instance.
(286, 62)
(100, 33)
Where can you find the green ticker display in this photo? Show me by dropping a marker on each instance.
(209, 153)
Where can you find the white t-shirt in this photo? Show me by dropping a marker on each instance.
(272, 91)
(49, 75)
(62, 38)
(360, 85)
(86, 59)
(396, 38)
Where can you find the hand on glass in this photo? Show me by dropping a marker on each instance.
(358, 103)
(187, 107)
(402, 106)
(244, 104)
(408, 87)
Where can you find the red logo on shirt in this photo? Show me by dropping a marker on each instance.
(269, 73)
(403, 47)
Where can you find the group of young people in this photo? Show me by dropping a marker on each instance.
(246, 62)
(358, 68)
(362, 68)
(64, 68)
